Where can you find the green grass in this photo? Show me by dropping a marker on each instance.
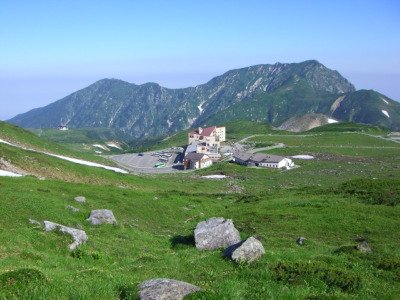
(82, 139)
(81, 135)
(331, 140)
(17, 135)
(351, 127)
(326, 200)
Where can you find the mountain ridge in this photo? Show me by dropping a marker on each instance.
(266, 92)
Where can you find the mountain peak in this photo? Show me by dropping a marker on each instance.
(268, 92)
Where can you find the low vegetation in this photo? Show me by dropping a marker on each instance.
(373, 191)
(331, 201)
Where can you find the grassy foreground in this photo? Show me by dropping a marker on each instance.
(332, 201)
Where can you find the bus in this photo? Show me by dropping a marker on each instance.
(160, 165)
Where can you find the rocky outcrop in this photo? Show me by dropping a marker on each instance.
(246, 251)
(306, 122)
(79, 236)
(165, 289)
(215, 233)
(101, 216)
(364, 247)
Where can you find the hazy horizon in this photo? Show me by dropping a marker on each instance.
(179, 44)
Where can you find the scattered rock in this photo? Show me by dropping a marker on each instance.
(165, 289)
(80, 199)
(101, 216)
(34, 222)
(246, 251)
(300, 241)
(73, 209)
(79, 236)
(234, 188)
(216, 233)
(364, 247)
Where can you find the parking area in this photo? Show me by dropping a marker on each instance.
(163, 161)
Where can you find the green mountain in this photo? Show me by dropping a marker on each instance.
(267, 93)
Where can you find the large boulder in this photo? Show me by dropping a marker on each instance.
(101, 216)
(165, 289)
(79, 236)
(246, 251)
(215, 233)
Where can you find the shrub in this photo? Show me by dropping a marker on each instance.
(388, 264)
(78, 253)
(16, 284)
(373, 191)
(127, 292)
(96, 255)
(301, 271)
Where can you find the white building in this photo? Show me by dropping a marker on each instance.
(196, 161)
(262, 160)
(213, 136)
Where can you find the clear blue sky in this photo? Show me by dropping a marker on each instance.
(49, 49)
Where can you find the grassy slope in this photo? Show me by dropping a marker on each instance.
(156, 216)
(351, 127)
(17, 135)
(81, 139)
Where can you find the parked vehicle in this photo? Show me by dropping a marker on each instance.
(159, 165)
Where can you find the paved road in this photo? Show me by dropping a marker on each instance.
(145, 162)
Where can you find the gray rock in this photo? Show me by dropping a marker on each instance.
(79, 236)
(34, 222)
(364, 247)
(73, 209)
(165, 289)
(80, 199)
(216, 233)
(300, 241)
(101, 216)
(246, 251)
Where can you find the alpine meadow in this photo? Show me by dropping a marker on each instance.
(178, 150)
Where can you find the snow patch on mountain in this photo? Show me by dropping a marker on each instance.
(200, 107)
(385, 113)
(114, 145)
(384, 101)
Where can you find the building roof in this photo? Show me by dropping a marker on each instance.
(205, 131)
(192, 147)
(258, 157)
(196, 156)
(242, 156)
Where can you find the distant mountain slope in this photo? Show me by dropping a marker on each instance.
(306, 122)
(267, 93)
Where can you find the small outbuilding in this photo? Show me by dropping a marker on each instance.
(196, 161)
(262, 160)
